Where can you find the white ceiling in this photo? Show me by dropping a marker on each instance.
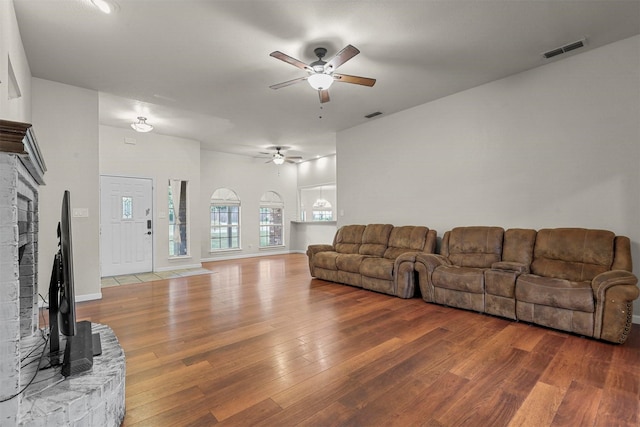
(202, 70)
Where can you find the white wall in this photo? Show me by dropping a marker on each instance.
(249, 178)
(159, 157)
(11, 49)
(556, 146)
(65, 119)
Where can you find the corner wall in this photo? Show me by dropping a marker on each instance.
(556, 146)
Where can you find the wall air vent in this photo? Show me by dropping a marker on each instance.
(564, 49)
(372, 115)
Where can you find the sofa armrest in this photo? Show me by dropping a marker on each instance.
(312, 250)
(404, 280)
(424, 265)
(431, 261)
(605, 280)
(516, 267)
(614, 292)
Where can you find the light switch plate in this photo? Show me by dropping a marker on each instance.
(80, 212)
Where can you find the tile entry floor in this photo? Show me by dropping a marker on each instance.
(128, 279)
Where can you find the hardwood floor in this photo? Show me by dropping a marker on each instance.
(259, 343)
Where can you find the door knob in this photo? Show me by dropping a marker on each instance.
(148, 233)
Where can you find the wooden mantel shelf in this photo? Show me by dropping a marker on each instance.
(11, 136)
(18, 138)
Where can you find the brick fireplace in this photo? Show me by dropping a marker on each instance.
(21, 173)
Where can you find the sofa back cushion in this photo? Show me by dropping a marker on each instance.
(477, 246)
(518, 245)
(348, 239)
(408, 238)
(574, 254)
(375, 239)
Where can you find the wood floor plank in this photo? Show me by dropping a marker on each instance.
(260, 343)
(540, 406)
(579, 406)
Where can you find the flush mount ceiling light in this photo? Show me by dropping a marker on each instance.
(141, 125)
(320, 81)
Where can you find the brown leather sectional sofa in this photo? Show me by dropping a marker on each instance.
(378, 257)
(572, 279)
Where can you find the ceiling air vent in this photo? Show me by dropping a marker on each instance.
(564, 49)
(372, 115)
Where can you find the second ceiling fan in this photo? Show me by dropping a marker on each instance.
(321, 73)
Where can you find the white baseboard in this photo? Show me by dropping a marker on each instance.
(636, 319)
(251, 255)
(88, 297)
(79, 298)
(179, 267)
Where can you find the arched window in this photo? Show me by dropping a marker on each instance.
(225, 220)
(271, 220)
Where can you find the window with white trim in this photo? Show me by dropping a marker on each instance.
(178, 218)
(224, 213)
(271, 220)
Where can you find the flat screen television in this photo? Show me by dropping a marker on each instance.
(81, 344)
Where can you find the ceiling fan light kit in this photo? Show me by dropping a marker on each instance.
(321, 73)
(320, 81)
(278, 158)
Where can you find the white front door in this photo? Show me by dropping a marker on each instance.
(126, 213)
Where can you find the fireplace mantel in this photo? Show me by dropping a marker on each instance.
(19, 138)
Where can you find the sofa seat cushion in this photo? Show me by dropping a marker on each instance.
(554, 292)
(349, 262)
(326, 260)
(465, 279)
(380, 268)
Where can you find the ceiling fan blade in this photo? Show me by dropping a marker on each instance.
(288, 83)
(324, 96)
(293, 61)
(344, 78)
(343, 56)
(294, 157)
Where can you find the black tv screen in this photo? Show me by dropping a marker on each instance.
(66, 309)
(81, 345)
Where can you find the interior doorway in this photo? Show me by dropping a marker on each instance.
(126, 225)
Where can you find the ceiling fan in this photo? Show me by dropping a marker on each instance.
(278, 158)
(321, 73)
